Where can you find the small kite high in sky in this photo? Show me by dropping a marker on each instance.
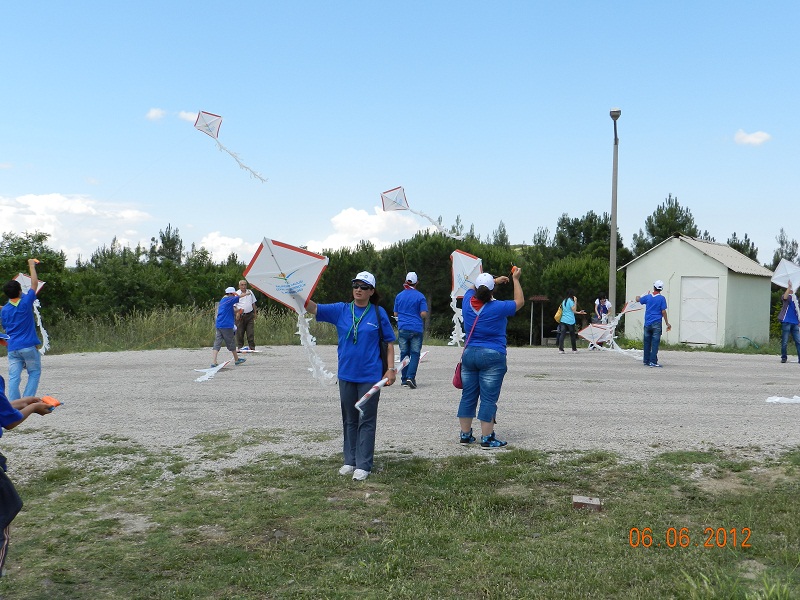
(465, 268)
(209, 124)
(289, 275)
(395, 199)
(25, 283)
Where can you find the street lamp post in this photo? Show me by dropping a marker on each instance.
(612, 259)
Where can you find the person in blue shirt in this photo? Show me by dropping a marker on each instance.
(655, 309)
(225, 324)
(410, 309)
(16, 317)
(789, 322)
(569, 308)
(360, 325)
(12, 413)
(483, 362)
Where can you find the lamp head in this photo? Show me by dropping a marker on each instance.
(615, 113)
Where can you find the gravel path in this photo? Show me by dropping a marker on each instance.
(590, 400)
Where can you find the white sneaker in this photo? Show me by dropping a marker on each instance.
(360, 475)
(346, 470)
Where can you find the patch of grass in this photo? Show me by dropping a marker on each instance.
(478, 525)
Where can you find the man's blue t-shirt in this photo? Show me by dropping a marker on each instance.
(653, 305)
(8, 414)
(19, 324)
(359, 362)
(490, 332)
(225, 313)
(408, 304)
(791, 312)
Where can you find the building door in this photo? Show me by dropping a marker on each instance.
(699, 310)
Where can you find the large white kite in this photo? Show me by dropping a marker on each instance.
(602, 336)
(788, 274)
(465, 269)
(209, 124)
(395, 199)
(289, 275)
(25, 283)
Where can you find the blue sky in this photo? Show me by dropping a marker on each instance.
(485, 110)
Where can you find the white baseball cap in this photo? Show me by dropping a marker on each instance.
(411, 277)
(658, 284)
(486, 280)
(230, 290)
(366, 277)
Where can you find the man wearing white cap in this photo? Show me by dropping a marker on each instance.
(655, 308)
(410, 310)
(226, 320)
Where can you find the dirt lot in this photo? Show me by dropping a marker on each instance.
(590, 400)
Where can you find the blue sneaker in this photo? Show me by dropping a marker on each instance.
(655, 365)
(240, 361)
(489, 441)
(467, 438)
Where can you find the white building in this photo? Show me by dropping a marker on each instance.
(715, 294)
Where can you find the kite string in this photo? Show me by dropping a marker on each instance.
(239, 162)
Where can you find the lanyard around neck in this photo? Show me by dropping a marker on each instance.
(354, 326)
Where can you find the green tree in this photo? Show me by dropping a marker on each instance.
(744, 245)
(669, 218)
(786, 249)
(500, 236)
(168, 246)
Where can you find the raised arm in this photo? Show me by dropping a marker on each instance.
(34, 277)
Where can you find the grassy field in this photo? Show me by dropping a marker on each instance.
(121, 522)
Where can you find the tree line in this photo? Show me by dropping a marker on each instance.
(117, 280)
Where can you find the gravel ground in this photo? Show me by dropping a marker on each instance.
(551, 402)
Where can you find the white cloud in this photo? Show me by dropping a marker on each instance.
(221, 246)
(78, 225)
(354, 225)
(5, 166)
(155, 114)
(185, 115)
(751, 139)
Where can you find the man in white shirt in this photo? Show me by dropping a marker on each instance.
(246, 316)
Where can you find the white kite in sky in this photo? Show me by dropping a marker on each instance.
(25, 283)
(289, 275)
(605, 333)
(395, 199)
(787, 273)
(465, 269)
(209, 124)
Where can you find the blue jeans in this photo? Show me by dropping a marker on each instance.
(652, 338)
(410, 343)
(358, 429)
(29, 359)
(482, 372)
(788, 329)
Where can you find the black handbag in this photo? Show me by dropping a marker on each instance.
(384, 347)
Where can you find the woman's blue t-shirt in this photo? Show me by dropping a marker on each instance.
(567, 313)
(490, 332)
(359, 362)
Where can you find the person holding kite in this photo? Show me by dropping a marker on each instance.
(225, 323)
(362, 325)
(483, 362)
(246, 319)
(17, 319)
(12, 413)
(411, 310)
(789, 322)
(655, 308)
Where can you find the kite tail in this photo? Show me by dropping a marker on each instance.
(436, 224)
(308, 342)
(458, 331)
(241, 164)
(46, 338)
